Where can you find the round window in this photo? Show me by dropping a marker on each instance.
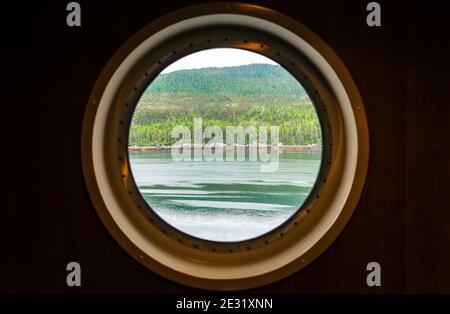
(225, 146)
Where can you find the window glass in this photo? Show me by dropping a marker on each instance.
(225, 145)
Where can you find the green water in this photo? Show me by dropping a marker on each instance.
(224, 200)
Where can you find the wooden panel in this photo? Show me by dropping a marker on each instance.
(402, 220)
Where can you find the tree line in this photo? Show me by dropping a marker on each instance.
(254, 95)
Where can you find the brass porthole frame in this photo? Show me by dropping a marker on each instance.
(201, 263)
(226, 37)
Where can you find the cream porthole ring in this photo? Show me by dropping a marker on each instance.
(106, 168)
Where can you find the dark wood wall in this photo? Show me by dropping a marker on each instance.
(402, 220)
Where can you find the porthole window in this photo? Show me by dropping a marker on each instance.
(225, 146)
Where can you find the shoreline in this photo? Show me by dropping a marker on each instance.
(281, 147)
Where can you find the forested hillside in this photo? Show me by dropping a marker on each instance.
(248, 80)
(256, 94)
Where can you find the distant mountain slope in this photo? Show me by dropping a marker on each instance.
(250, 95)
(246, 80)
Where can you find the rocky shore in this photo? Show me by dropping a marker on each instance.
(281, 147)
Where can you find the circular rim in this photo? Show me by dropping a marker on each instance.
(242, 269)
(239, 39)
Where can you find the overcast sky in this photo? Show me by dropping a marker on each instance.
(218, 57)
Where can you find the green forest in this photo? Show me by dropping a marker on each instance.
(250, 95)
